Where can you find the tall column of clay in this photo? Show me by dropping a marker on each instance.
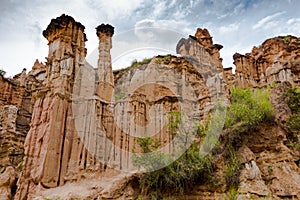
(105, 92)
(105, 89)
(51, 131)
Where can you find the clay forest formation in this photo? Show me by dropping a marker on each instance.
(168, 127)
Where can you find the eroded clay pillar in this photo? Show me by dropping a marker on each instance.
(66, 40)
(105, 88)
(49, 140)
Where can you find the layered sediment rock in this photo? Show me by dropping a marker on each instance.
(78, 132)
(200, 51)
(105, 88)
(147, 94)
(201, 47)
(16, 105)
(85, 121)
(276, 60)
(7, 181)
(51, 135)
(72, 112)
(270, 166)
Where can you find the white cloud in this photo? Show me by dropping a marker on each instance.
(270, 25)
(229, 22)
(229, 28)
(115, 9)
(159, 9)
(293, 21)
(148, 38)
(266, 20)
(173, 2)
(127, 57)
(228, 52)
(180, 26)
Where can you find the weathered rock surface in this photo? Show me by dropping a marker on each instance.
(148, 93)
(16, 105)
(201, 48)
(276, 60)
(78, 133)
(105, 88)
(81, 123)
(54, 152)
(7, 181)
(269, 166)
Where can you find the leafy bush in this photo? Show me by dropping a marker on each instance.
(293, 122)
(293, 99)
(232, 170)
(248, 107)
(181, 174)
(136, 63)
(287, 39)
(174, 118)
(166, 59)
(232, 194)
(295, 145)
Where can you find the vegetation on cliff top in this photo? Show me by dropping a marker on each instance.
(136, 63)
(248, 108)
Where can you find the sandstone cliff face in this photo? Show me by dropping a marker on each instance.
(16, 105)
(276, 60)
(201, 47)
(270, 166)
(81, 123)
(77, 131)
(48, 149)
(149, 92)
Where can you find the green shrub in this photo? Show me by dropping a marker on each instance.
(166, 59)
(188, 170)
(232, 170)
(119, 95)
(174, 118)
(139, 197)
(293, 99)
(287, 39)
(293, 122)
(136, 63)
(248, 107)
(232, 194)
(295, 145)
(180, 175)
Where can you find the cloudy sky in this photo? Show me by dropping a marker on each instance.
(143, 27)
